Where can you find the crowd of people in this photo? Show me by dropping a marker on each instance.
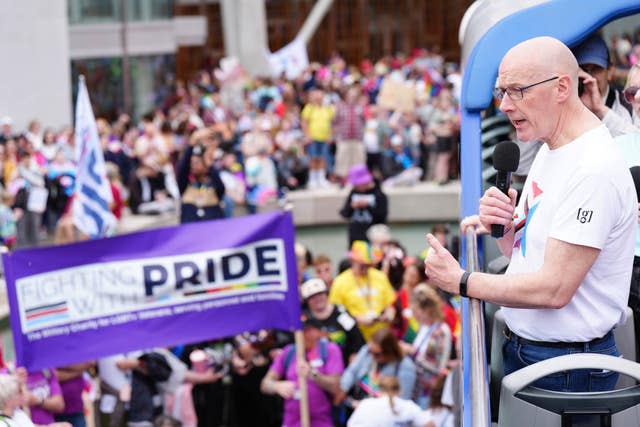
(377, 340)
(375, 333)
(217, 143)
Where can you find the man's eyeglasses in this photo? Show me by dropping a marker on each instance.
(630, 93)
(517, 93)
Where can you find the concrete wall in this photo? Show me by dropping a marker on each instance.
(144, 38)
(35, 71)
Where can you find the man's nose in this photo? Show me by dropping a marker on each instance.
(506, 104)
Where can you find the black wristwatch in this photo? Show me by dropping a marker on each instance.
(463, 284)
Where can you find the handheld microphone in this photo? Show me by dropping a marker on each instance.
(635, 174)
(506, 157)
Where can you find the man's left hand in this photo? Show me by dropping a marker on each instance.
(441, 268)
(591, 98)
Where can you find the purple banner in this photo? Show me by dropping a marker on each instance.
(164, 287)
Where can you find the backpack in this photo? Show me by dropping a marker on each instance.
(324, 354)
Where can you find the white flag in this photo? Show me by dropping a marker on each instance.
(291, 59)
(91, 212)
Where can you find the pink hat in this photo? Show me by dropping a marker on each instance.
(359, 175)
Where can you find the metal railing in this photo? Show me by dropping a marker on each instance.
(476, 404)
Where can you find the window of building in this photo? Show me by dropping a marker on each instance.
(98, 11)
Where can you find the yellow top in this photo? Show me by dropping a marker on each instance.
(318, 120)
(363, 295)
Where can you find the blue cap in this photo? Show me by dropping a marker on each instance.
(592, 51)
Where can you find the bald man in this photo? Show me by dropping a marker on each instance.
(571, 237)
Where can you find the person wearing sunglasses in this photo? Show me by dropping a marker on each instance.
(570, 238)
(629, 146)
(604, 100)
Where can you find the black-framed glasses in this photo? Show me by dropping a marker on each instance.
(517, 93)
(630, 93)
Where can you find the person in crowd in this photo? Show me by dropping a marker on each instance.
(12, 398)
(251, 358)
(30, 200)
(571, 237)
(321, 369)
(443, 124)
(381, 356)
(316, 121)
(323, 268)
(11, 401)
(72, 382)
(336, 322)
(629, 146)
(349, 130)
(604, 100)
(151, 186)
(115, 392)
(379, 235)
(6, 129)
(431, 348)
(438, 413)
(389, 409)
(364, 291)
(44, 396)
(405, 324)
(235, 188)
(199, 183)
(365, 205)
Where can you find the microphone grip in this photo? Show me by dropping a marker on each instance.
(503, 182)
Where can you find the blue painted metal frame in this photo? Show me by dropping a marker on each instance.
(570, 21)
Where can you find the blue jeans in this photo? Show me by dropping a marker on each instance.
(518, 355)
(76, 420)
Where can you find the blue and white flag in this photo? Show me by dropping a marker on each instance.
(91, 212)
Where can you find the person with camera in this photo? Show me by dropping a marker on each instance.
(199, 182)
(604, 100)
(571, 236)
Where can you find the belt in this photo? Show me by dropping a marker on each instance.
(510, 335)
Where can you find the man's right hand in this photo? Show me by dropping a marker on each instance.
(497, 208)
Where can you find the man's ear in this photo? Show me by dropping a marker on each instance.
(565, 86)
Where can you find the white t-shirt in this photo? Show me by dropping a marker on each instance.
(581, 193)
(19, 419)
(441, 417)
(376, 412)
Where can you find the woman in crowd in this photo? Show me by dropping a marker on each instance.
(438, 414)
(389, 409)
(406, 326)
(381, 356)
(431, 347)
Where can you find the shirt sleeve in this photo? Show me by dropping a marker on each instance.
(349, 377)
(278, 364)
(335, 293)
(361, 417)
(617, 124)
(587, 213)
(334, 364)
(54, 384)
(407, 378)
